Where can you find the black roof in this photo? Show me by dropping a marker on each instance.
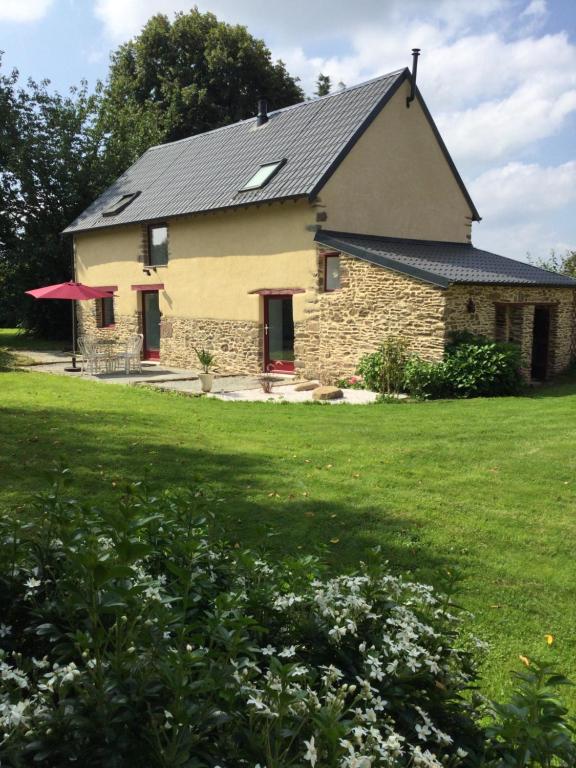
(206, 172)
(440, 263)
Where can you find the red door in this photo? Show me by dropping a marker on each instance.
(278, 334)
(151, 324)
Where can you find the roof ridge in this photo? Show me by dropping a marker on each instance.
(282, 109)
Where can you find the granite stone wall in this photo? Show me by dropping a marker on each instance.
(116, 336)
(494, 316)
(372, 303)
(236, 344)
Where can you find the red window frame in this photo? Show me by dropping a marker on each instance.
(325, 257)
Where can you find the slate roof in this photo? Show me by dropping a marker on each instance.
(205, 172)
(440, 263)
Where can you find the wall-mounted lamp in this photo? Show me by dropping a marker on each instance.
(470, 306)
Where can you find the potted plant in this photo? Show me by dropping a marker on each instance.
(206, 360)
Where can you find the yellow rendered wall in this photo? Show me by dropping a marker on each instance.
(214, 261)
(396, 181)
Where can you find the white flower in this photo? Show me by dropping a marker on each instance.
(311, 754)
(288, 653)
(461, 752)
(32, 583)
(268, 651)
(5, 630)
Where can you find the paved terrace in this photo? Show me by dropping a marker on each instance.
(233, 388)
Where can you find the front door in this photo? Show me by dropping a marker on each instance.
(541, 343)
(278, 334)
(151, 324)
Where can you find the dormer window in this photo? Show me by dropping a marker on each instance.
(263, 175)
(120, 204)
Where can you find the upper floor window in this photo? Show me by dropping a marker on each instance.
(157, 245)
(105, 312)
(332, 272)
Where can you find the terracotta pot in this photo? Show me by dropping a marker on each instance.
(206, 381)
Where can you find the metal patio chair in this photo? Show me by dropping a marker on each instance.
(92, 357)
(132, 355)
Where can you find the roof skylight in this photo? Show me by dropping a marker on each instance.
(119, 204)
(263, 175)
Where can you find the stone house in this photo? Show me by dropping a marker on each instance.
(297, 240)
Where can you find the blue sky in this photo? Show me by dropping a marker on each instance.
(498, 75)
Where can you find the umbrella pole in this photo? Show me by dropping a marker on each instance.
(73, 368)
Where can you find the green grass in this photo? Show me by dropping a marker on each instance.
(13, 339)
(484, 488)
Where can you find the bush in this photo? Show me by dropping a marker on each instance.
(135, 637)
(383, 370)
(473, 367)
(483, 368)
(350, 382)
(426, 381)
(532, 728)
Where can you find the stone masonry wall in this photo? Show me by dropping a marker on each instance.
(236, 344)
(372, 303)
(483, 320)
(116, 335)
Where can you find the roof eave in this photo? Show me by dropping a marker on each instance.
(205, 211)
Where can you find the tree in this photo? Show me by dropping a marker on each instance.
(53, 166)
(323, 85)
(185, 77)
(564, 265)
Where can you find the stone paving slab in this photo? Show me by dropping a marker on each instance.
(222, 385)
(150, 373)
(288, 394)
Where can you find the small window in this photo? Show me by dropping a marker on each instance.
(105, 310)
(120, 204)
(157, 245)
(263, 175)
(332, 272)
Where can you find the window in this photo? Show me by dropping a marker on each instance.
(263, 175)
(119, 204)
(157, 245)
(332, 272)
(105, 312)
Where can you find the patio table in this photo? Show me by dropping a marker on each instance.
(106, 347)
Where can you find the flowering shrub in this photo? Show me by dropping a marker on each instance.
(383, 370)
(351, 382)
(135, 637)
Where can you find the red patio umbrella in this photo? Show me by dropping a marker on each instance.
(73, 292)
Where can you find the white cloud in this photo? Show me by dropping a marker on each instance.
(523, 206)
(23, 10)
(536, 8)
(522, 190)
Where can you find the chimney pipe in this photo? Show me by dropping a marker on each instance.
(262, 116)
(415, 54)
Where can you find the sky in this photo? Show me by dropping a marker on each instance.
(499, 77)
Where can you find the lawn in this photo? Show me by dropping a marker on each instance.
(485, 489)
(20, 340)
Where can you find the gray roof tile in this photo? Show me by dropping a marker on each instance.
(440, 263)
(205, 172)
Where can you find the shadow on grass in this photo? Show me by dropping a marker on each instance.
(562, 386)
(254, 505)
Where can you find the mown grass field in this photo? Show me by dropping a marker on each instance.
(485, 489)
